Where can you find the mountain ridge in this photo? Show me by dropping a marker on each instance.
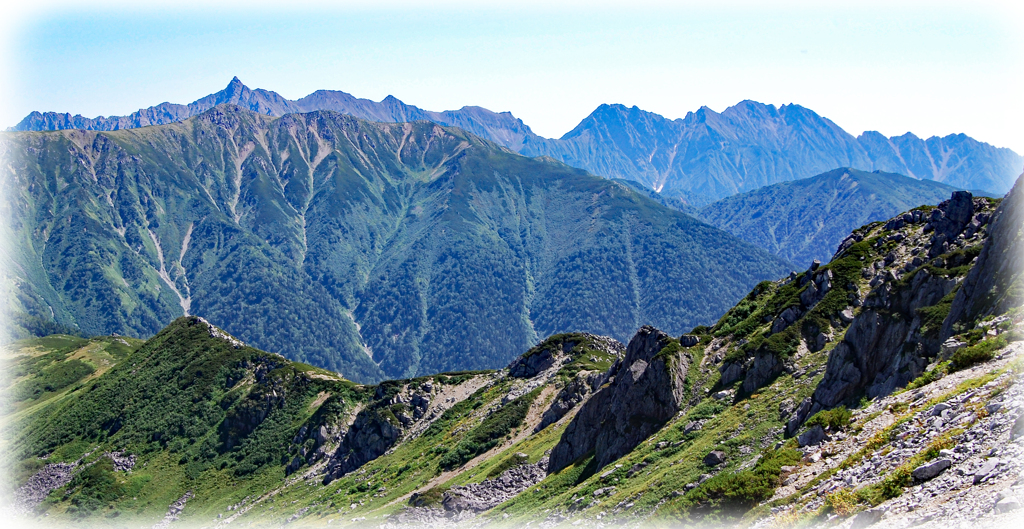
(700, 158)
(364, 247)
(805, 220)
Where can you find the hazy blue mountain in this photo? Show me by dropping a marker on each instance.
(369, 248)
(706, 156)
(700, 158)
(501, 128)
(806, 219)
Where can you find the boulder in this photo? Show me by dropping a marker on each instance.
(1018, 428)
(714, 458)
(762, 370)
(985, 471)
(688, 340)
(1007, 504)
(786, 408)
(866, 518)
(731, 372)
(812, 437)
(930, 470)
(949, 347)
(722, 395)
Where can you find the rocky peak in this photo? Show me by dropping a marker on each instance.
(996, 282)
(647, 390)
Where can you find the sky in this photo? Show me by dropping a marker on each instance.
(930, 68)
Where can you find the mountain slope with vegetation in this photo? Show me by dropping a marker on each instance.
(828, 395)
(373, 249)
(803, 220)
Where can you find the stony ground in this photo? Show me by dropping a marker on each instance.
(975, 480)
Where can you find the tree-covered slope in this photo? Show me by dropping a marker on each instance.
(806, 219)
(368, 248)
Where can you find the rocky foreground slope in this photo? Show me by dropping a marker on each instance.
(841, 396)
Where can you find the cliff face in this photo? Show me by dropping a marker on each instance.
(896, 333)
(996, 283)
(647, 390)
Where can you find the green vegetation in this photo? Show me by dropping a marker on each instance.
(981, 352)
(53, 378)
(732, 494)
(834, 420)
(489, 432)
(764, 216)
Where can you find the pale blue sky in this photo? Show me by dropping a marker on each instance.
(930, 68)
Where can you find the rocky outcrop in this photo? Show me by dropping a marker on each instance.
(647, 390)
(174, 511)
(886, 345)
(52, 477)
(996, 283)
(575, 392)
(369, 437)
(882, 349)
(479, 497)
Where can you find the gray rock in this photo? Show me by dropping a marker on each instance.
(810, 295)
(867, 518)
(985, 470)
(812, 437)
(731, 372)
(949, 347)
(762, 370)
(939, 408)
(930, 470)
(786, 408)
(997, 268)
(1007, 504)
(1018, 428)
(478, 497)
(688, 340)
(714, 458)
(722, 395)
(693, 426)
(846, 315)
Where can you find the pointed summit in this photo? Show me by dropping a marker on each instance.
(234, 89)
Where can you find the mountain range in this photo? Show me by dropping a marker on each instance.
(373, 249)
(700, 158)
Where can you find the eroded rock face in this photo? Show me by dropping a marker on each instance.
(572, 394)
(370, 436)
(886, 345)
(996, 283)
(882, 349)
(647, 390)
